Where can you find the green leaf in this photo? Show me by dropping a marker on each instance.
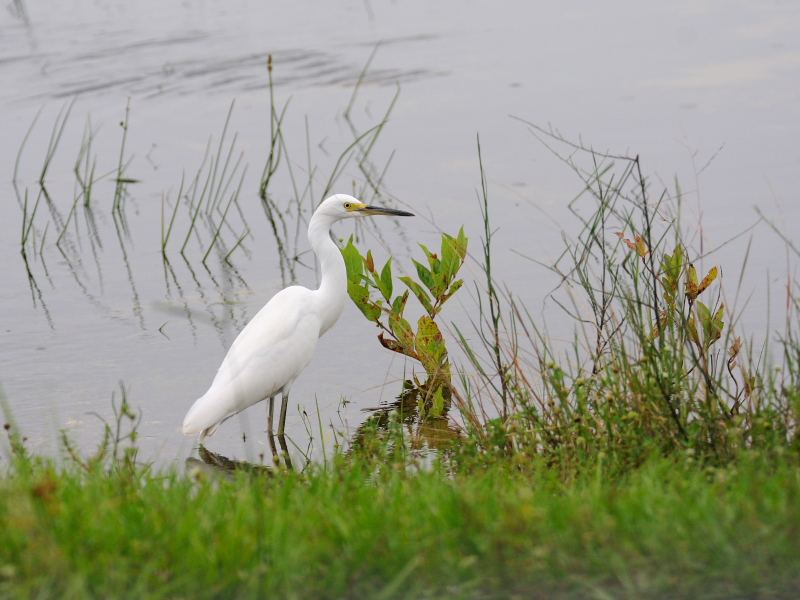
(368, 281)
(399, 304)
(691, 330)
(666, 265)
(439, 286)
(691, 283)
(712, 326)
(430, 346)
(403, 332)
(461, 249)
(704, 314)
(672, 266)
(425, 276)
(718, 317)
(417, 290)
(451, 262)
(352, 261)
(437, 406)
(360, 297)
(716, 326)
(670, 290)
(454, 287)
(677, 262)
(428, 335)
(386, 280)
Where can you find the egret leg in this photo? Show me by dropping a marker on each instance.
(270, 419)
(285, 449)
(282, 427)
(284, 406)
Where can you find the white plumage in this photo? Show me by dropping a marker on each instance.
(274, 348)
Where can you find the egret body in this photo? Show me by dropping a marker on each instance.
(278, 343)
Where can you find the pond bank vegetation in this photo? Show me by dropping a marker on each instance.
(657, 456)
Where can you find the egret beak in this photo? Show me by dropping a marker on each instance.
(379, 210)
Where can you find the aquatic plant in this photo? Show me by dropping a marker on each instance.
(437, 284)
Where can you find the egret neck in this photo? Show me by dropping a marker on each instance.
(332, 293)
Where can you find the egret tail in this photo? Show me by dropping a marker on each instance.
(206, 414)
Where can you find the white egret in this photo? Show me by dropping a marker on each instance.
(274, 348)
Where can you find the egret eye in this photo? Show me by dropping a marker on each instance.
(347, 205)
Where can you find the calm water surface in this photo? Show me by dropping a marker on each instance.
(680, 84)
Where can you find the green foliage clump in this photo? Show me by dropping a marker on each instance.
(653, 369)
(373, 293)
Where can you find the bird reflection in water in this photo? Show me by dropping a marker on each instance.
(213, 463)
(421, 433)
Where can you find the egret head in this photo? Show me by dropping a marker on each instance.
(342, 206)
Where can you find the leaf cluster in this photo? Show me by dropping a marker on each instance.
(372, 291)
(711, 325)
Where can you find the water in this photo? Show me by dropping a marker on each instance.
(671, 83)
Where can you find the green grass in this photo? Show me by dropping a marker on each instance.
(669, 529)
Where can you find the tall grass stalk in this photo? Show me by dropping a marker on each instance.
(121, 180)
(492, 339)
(361, 77)
(165, 236)
(203, 200)
(346, 156)
(224, 215)
(19, 154)
(236, 245)
(273, 158)
(214, 195)
(85, 160)
(196, 206)
(69, 219)
(55, 138)
(27, 220)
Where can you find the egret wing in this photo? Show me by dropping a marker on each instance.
(270, 352)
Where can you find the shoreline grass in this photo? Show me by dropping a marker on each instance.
(367, 529)
(657, 366)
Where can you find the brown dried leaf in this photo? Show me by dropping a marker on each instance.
(396, 346)
(639, 246)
